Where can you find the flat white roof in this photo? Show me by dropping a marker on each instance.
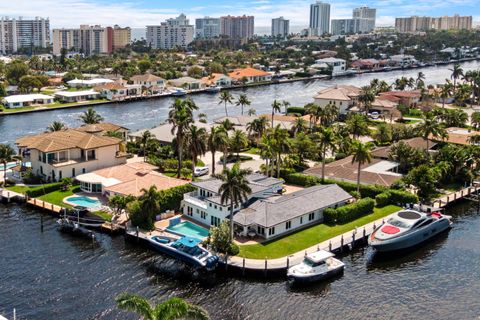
(76, 93)
(26, 97)
(90, 82)
(320, 256)
(383, 167)
(95, 178)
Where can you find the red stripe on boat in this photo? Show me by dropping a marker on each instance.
(436, 215)
(390, 230)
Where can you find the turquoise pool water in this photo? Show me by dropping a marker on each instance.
(84, 202)
(11, 165)
(187, 228)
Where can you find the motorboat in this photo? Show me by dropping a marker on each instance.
(316, 266)
(69, 226)
(213, 89)
(178, 92)
(186, 249)
(408, 228)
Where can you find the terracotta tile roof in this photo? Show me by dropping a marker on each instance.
(109, 86)
(213, 78)
(459, 135)
(384, 104)
(402, 94)
(343, 93)
(146, 78)
(100, 127)
(247, 72)
(65, 139)
(417, 143)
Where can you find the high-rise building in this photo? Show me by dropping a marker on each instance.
(19, 33)
(240, 27)
(367, 17)
(345, 26)
(175, 32)
(207, 28)
(280, 27)
(319, 18)
(118, 37)
(416, 23)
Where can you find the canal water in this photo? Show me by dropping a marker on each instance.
(150, 113)
(50, 275)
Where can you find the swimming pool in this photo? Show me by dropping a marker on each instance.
(187, 228)
(84, 202)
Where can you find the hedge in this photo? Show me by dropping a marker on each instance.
(170, 199)
(349, 212)
(44, 189)
(300, 179)
(299, 110)
(397, 197)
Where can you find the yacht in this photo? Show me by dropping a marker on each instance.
(407, 228)
(316, 266)
(178, 92)
(186, 249)
(213, 89)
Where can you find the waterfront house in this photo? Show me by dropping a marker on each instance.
(79, 83)
(103, 128)
(403, 60)
(457, 135)
(281, 214)
(163, 133)
(406, 98)
(385, 107)
(217, 80)
(69, 152)
(26, 100)
(250, 75)
(149, 82)
(126, 179)
(76, 96)
(204, 204)
(187, 83)
(337, 65)
(118, 91)
(344, 97)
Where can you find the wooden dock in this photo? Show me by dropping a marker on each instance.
(53, 208)
(8, 195)
(468, 193)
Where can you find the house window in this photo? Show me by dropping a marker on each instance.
(83, 170)
(73, 172)
(214, 221)
(261, 230)
(198, 211)
(271, 231)
(203, 215)
(220, 208)
(301, 220)
(288, 225)
(215, 206)
(311, 216)
(210, 204)
(60, 175)
(189, 211)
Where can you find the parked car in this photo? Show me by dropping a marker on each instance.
(374, 115)
(200, 171)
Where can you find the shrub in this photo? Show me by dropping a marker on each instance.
(220, 237)
(299, 110)
(44, 189)
(383, 199)
(170, 199)
(395, 197)
(233, 250)
(349, 212)
(139, 217)
(340, 156)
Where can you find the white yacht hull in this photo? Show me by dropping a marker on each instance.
(317, 277)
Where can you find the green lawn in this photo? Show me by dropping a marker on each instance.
(308, 237)
(104, 215)
(252, 150)
(19, 189)
(57, 197)
(55, 105)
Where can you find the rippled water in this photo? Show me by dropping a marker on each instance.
(149, 113)
(51, 275)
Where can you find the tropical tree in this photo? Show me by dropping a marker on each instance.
(145, 140)
(383, 133)
(196, 142)
(276, 107)
(56, 126)
(431, 127)
(366, 97)
(326, 141)
(303, 146)
(420, 81)
(119, 203)
(238, 142)
(180, 117)
(285, 105)
(251, 112)
(91, 117)
(234, 190)
(149, 201)
(328, 114)
(243, 101)
(475, 119)
(445, 92)
(281, 144)
(357, 125)
(171, 309)
(226, 98)
(217, 139)
(267, 152)
(257, 127)
(312, 110)
(299, 125)
(7, 154)
(457, 73)
(362, 154)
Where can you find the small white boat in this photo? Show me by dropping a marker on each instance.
(178, 92)
(408, 228)
(316, 266)
(213, 89)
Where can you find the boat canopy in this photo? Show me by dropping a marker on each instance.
(189, 242)
(319, 256)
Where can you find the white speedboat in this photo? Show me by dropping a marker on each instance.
(178, 92)
(316, 266)
(213, 89)
(186, 249)
(408, 228)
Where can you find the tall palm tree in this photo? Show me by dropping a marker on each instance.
(217, 138)
(357, 125)
(312, 110)
(257, 127)
(362, 154)
(238, 142)
(281, 144)
(475, 119)
(226, 97)
(235, 189)
(298, 125)
(366, 97)
(243, 101)
(171, 309)
(445, 92)
(196, 141)
(457, 73)
(251, 112)
(285, 104)
(430, 126)
(327, 141)
(420, 81)
(7, 154)
(150, 199)
(328, 114)
(56, 126)
(276, 107)
(144, 140)
(267, 146)
(91, 117)
(180, 117)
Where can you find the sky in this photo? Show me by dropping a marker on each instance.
(139, 13)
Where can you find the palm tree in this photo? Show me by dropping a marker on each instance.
(243, 101)
(226, 97)
(285, 104)
(357, 125)
(235, 189)
(91, 117)
(149, 199)
(327, 114)
(326, 140)
(180, 117)
(457, 73)
(420, 80)
(430, 126)
(276, 107)
(144, 140)
(217, 139)
(298, 125)
(56, 126)
(238, 142)
(7, 154)
(251, 112)
(257, 127)
(366, 97)
(312, 110)
(173, 308)
(196, 141)
(445, 92)
(362, 154)
(267, 153)
(475, 119)
(281, 144)
(303, 146)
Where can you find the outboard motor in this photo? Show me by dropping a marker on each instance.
(211, 263)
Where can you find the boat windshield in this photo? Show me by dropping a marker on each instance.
(398, 223)
(311, 263)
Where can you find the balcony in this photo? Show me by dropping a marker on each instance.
(190, 198)
(66, 162)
